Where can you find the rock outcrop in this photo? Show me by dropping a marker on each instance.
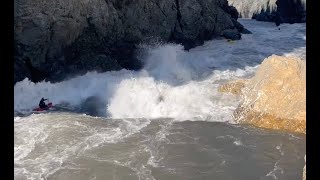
(279, 11)
(276, 96)
(66, 37)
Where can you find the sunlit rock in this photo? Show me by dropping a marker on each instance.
(276, 96)
(234, 87)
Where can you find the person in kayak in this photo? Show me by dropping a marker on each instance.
(42, 104)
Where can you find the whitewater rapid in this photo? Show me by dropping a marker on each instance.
(165, 121)
(173, 83)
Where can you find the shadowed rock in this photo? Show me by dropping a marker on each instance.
(240, 27)
(70, 37)
(232, 34)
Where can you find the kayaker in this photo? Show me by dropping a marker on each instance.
(42, 104)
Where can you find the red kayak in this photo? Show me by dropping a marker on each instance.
(43, 109)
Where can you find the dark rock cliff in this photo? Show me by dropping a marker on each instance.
(57, 39)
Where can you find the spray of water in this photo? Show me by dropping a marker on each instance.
(174, 83)
(247, 8)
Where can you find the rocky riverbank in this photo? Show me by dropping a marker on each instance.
(57, 39)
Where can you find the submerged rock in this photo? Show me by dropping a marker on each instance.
(276, 96)
(232, 34)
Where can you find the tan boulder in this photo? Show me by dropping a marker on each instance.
(276, 96)
(234, 87)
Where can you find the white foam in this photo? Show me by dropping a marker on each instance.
(273, 173)
(174, 83)
(276, 167)
(144, 97)
(247, 8)
(238, 143)
(44, 142)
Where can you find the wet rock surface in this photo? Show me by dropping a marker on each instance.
(68, 37)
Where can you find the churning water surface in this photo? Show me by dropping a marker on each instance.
(167, 121)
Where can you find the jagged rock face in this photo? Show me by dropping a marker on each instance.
(276, 96)
(282, 11)
(63, 37)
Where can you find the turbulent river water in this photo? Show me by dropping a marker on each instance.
(166, 121)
